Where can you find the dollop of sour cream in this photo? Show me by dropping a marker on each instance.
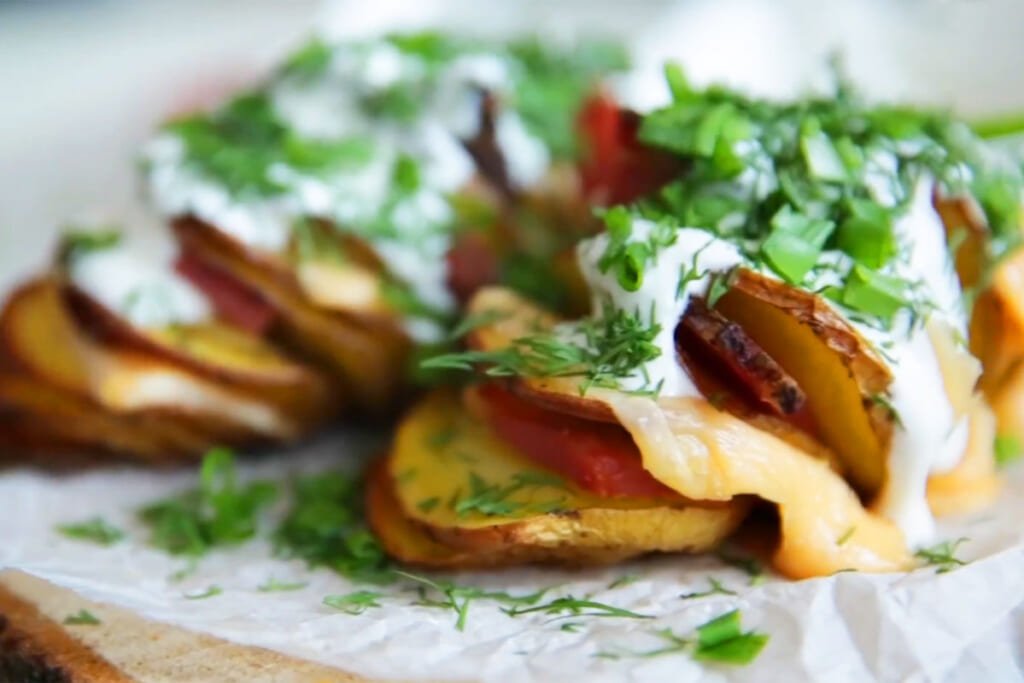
(329, 106)
(659, 296)
(139, 288)
(930, 436)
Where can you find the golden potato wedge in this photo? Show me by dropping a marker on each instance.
(838, 370)
(966, 230)
(514, 317)
(405, 541)
(468, 490)
(367, 352)
(39, 338)
(44, 342)
(234, 359)
(48, 416)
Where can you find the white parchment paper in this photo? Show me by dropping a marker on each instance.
(965, 625)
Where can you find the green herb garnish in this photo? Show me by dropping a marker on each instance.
(273, 585)
(492, 499)
(82, 617)
(210, 592)
(459, 598)
(220, 512)
(96, 530)
(1007, 449)
(354, 603)
(942, 555)
(326, 527)
(602, 351)
(722, 640)
(716, 589)
(576, 607)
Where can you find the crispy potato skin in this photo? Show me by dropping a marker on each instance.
(836, 368)
(47, 380)
(586, 529)
(366, 352)
(43, 418)
(743, 358)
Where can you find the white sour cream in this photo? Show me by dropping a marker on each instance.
(329, 107)
(693, 250)
(145, 292)
(930, 436)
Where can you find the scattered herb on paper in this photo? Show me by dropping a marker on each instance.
(219, 512)
(210, 592)
(624, 580)
(576, 607)
(326, 527)
(273, 585)
(82, 617)
(942, 555)
(716, 589)
(96, 530)
(353, 603)
(458, 598)
(721, 640)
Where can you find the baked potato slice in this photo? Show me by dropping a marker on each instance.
(468, 490)
(366, 352)
(43, 341)
(405, 541)
(225, 355)
(510, 317)
(41, 418)
(838, 370)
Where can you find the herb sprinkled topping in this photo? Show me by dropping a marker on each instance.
(96, 530)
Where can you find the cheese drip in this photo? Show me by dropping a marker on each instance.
(707, 454)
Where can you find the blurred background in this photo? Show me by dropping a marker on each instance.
(85, 81)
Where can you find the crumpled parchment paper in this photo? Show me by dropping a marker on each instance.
(964, 625)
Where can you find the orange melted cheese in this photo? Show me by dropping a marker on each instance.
(706, 454)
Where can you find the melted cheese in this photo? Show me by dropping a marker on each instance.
(706, 454)
(124, 382)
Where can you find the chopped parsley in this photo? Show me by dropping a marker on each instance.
(602, 351)
(356, 602)
(447, 595)
(786, 182)
(716, 588)
(82, 617)
(1008, 448)
(77, 241)
(576, 607)
(273, 585)
(326, 527)
(493, 500)
(721, 640)
(221, 511)
(211, 591)
(624, 580)
(749, 565)
(96, 530)
(942, 555)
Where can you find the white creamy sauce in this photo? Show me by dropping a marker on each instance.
(930, 437)
(329, 107)
(694, 250)
(145, 292)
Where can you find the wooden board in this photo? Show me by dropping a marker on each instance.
(36, 646)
